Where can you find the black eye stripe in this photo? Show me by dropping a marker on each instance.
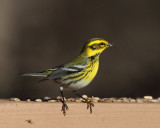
(93, 47)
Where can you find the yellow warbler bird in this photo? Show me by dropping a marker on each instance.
(79, 72)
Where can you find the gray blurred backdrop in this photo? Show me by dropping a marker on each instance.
(39, 34)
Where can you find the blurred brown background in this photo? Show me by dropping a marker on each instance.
(39, 34)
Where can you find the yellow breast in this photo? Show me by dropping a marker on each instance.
(93, 72)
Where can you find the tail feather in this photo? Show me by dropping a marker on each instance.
(34, 74)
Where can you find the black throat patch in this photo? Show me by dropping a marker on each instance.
(94, 57)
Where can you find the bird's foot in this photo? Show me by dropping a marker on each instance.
(64, 108)
(89, 104)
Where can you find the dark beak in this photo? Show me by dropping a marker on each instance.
(110, 44)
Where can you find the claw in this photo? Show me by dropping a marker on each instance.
(64, 108)
(86, 100)
(89, 104)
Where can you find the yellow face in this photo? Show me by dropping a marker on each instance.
(95, 46)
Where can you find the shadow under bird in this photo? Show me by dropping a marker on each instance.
(79, 72)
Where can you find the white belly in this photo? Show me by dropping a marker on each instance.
(78, 85)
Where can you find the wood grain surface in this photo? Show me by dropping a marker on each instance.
(105, 115)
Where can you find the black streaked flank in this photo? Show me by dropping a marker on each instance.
(79, 79)
(73, 77)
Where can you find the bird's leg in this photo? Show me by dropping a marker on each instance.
(64, 105)
(89, 103)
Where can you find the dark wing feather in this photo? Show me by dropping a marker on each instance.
(62, 71)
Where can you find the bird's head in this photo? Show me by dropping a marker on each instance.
(95, 46)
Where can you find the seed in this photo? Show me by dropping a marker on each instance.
(53, 101)
(146, 101)
(71, 99)
(85, 96)
(15, 99)
(78, 100)
(148, 97)
(154, 101)
(125, 100)
(139, 100)
(132, 100)
(47, 98)
(95, 99)
(58, 97)
(101, 100)
(107, 100)
(28, 100)
(119, 101)
(38, 100)
(114, 100)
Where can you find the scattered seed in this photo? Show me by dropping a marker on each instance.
(53, 101)
(38, 100)
(101, 100)
(59, 98)
(145, 99)
(107, 100)
(15, 99)
(125, 100)
(132, 100)
(139, 100)
(85, 96)
(148, 97)
(119, 101)
(47, 98)
(114, 100)
(28, 100)
(78, 100)
(95, 99)
(154, 101)
(71, 99)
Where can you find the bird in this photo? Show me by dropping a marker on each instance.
(77, 73)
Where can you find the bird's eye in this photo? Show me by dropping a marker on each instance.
(102, 44)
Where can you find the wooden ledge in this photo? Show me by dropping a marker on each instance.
(105, 115)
